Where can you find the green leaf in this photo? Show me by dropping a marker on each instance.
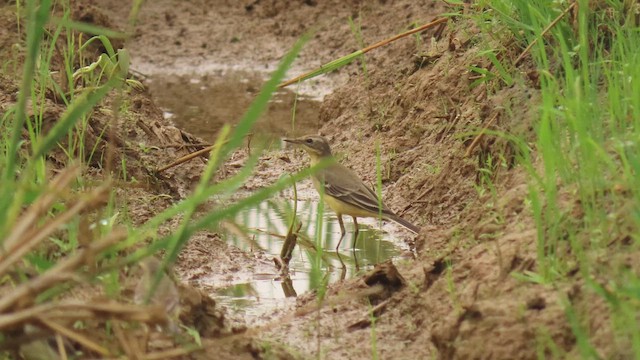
(88, 28)
(262, 100)
(80, 106)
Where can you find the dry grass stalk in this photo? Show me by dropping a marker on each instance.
(72, 335)
(339, 299)
(26, 292)
(374, 46)
(187, 158)
(479, 137)
(171, 353)
(74, 310)
(130, 350)
(61, 349)
(35, 212)
(53, 316)
(235, 229)
(367, 318)
(27, 241)
(544, 32)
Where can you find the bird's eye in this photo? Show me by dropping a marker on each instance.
(309, 141)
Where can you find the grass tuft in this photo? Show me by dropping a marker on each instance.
(587, 137)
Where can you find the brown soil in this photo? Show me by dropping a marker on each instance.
(457, 299)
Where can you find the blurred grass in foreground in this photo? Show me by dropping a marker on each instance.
(81, 222)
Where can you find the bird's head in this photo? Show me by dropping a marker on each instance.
(316, 146)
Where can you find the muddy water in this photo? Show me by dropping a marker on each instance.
(201, 104)
(266, 226)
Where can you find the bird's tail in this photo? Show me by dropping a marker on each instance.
(397, 219)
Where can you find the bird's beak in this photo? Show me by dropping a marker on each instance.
(293, 141)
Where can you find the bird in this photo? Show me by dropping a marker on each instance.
(343, 190)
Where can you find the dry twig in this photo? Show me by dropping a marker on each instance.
(479, 137)
(374, 46)
(186, 158)
(544, 32)
(373, 312)
(77, 337)
(73, 310)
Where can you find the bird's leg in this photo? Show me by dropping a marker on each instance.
(355, 259)
(343, 232)
(343, 267)
(356, 231)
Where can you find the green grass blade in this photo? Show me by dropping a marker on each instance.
(262, 100)
(333, 65)
(38, 18)
(79, 107)
(88, 28)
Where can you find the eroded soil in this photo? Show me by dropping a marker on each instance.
(457, 298)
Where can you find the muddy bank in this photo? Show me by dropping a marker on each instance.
(415, 106)
(413, 109)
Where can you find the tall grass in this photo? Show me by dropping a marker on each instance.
(586, 196)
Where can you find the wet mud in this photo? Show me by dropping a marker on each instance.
(447, 293)
(202, 104)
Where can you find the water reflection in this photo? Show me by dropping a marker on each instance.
(202, 104)
(269, 221)
(314, 259)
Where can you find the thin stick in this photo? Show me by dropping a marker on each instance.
(270, 233)
(122, 339)
(186, 158)
(544, 32)
(373, 312)
(166, 146)
(61, 350)
(78, 310)
(292, 237)
(374, 46)
(475, 141)
(404, 34)
(172, 353)
(409, 205)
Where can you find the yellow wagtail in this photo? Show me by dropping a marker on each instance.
(343, 190)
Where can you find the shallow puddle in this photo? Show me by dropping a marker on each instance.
(201, 104)
(266, 226)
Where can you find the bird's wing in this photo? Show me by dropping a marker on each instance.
(345, 185)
